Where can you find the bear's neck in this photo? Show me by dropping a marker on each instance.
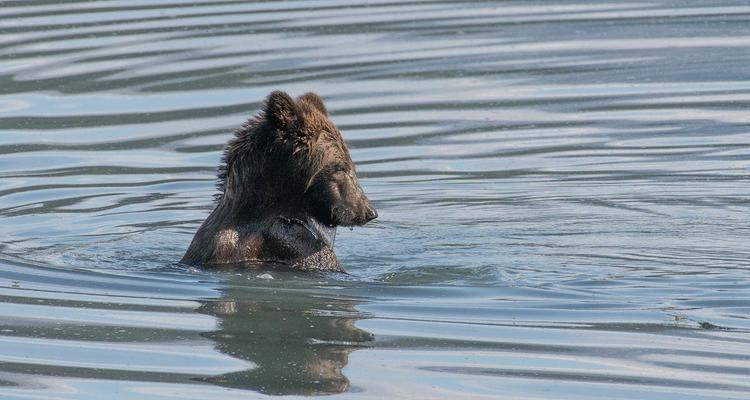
(253, 183)
(258, 198)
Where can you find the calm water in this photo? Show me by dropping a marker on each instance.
(563, 192)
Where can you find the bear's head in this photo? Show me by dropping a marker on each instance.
(298, 154)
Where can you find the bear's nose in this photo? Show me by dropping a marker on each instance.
(371, 214)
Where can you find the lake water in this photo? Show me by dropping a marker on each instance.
(563, 189)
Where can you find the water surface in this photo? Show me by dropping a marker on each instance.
(563, 190)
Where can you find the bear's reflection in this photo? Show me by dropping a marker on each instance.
(299, 338)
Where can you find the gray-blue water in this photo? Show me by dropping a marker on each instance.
(563, 190)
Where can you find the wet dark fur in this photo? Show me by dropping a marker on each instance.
(285, 174)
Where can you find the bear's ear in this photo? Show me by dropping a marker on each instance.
(281, 111)
(315, 101)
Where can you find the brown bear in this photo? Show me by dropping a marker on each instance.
(285, 183)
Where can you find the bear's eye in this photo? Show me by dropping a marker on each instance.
(338, 168)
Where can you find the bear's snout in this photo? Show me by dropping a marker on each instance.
(353, 214)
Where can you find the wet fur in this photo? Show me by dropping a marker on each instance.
(285, 172)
